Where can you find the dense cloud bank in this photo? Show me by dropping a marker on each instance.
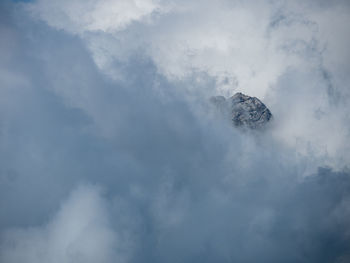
(111, 152)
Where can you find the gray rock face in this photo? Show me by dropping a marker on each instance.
(244, 111)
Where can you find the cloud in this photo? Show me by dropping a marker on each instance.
(123, 104)
(79, 232)
(250, 47)
(81, 16)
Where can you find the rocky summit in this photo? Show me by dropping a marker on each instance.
(243, 110)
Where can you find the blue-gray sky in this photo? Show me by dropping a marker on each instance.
(110, 151)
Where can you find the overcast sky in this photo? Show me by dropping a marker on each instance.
(111, 152)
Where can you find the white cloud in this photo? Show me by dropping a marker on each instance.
(78, 16)
(245, 46)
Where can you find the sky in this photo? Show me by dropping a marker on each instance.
(111, 152)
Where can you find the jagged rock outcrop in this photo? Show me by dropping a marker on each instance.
(244, 111)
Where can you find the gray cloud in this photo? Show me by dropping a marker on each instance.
(138, 168)
(79, 232)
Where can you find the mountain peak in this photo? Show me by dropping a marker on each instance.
(244, 111)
